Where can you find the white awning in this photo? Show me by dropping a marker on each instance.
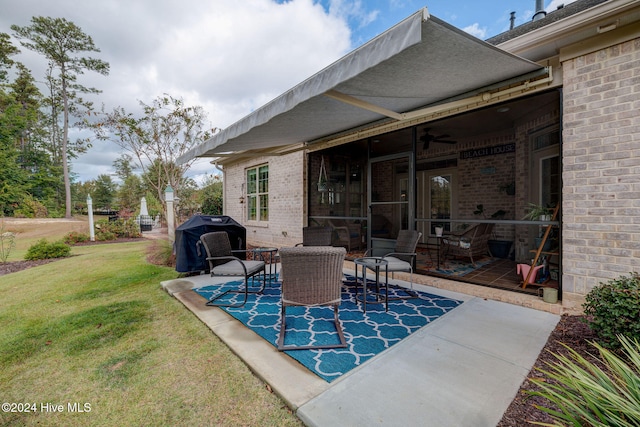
(417, 63)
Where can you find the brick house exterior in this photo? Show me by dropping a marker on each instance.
(601, 174)
(593, 103)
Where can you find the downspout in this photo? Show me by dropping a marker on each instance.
(224, 186)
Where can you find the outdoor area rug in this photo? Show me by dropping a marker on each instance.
(367, 334)
(459, 268)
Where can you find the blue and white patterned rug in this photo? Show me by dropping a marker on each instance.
(367, 334)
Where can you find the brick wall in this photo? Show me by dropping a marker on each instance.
(601, 171)
(287, 206)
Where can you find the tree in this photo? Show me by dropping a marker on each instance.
(104, 192)
(13, 179)
(123, 166)
(59, 41)
(210, 196)
(166, 130)
(7, 50)
(131, 190)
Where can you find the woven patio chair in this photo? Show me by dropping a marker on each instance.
(471, 243)
(404, 255)
(312, 276)
(346, 233)
(223, 262)
(316, 236)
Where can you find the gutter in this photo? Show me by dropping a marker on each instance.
(582, 21)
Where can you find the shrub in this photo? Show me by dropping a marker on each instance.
(75, 237)
(105, 236)
(7, 243)
(587, 395)
(31, 208)
(120, 228)
(160, 252)
(45, 250)
(613, 308)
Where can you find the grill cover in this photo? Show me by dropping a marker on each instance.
(191, 257)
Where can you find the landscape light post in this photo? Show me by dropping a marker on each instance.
(168, 198)
(92, 235)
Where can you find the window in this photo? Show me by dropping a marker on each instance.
(258, 193)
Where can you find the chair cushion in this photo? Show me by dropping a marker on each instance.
(393, 264)
(233, 268)
(396, 264)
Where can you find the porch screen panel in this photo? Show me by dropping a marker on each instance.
(550, 177)
(390, 196)
(440, 200)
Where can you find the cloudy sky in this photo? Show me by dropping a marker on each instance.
(230, 56)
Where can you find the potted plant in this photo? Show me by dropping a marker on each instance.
(439, 229)
(323, 185)
(538, 213)
(323, 181)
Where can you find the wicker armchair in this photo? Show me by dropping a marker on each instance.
(316, 236)
(346, 234)
(473, 242)
(223, 262)
(312, 276)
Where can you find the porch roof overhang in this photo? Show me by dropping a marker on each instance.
(395, 77)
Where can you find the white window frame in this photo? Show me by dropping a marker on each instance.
(257, 193)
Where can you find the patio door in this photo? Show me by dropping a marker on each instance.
(391, 193)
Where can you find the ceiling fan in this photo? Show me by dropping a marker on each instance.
(427, 139)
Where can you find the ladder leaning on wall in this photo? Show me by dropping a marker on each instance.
(539, 251)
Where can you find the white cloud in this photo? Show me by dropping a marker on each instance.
(230, 57)
(555, 3)
(476, 30)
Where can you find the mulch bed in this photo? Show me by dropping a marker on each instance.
(14, 266)
(575, 333)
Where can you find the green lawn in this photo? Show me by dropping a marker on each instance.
(97, 329)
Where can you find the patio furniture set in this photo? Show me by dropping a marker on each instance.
(310, 273)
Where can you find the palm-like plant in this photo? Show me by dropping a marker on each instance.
(587, 395)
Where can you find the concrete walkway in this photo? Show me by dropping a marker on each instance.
(463, 369)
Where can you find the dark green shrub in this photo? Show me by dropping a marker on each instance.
(587, 395)
(46, 250)
(613, 308)
(105, 236)
(31, 208)
(75, 237)
(120, 228)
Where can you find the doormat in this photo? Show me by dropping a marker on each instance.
(367, 334)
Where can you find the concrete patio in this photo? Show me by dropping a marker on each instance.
(463, 369)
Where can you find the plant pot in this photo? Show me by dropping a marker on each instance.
(500, 248)
(439, 231)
